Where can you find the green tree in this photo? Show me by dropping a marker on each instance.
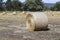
(17, 5)
(56, 7)
(33, 5)
(9, 5)
(46, 8)
(13, 5)
(1, 8)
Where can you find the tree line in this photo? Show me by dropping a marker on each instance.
(28, 5)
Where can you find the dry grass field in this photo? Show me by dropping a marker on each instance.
(12, 27)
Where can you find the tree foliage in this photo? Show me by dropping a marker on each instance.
(56, 7)
(1, 8)
(33, 5)
(14, 5)
(17, 5)
(46, 8)
(8, 5)
(28, 5)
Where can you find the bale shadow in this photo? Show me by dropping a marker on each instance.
(43, 29)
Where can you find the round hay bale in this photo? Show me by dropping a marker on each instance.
(24, 12)
(4, 13)
(14, 13)
(36, 21)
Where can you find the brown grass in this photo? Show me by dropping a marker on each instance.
(9, 21)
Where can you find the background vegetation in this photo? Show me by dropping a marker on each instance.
(28, 5)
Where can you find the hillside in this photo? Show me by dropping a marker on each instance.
(49, 4)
